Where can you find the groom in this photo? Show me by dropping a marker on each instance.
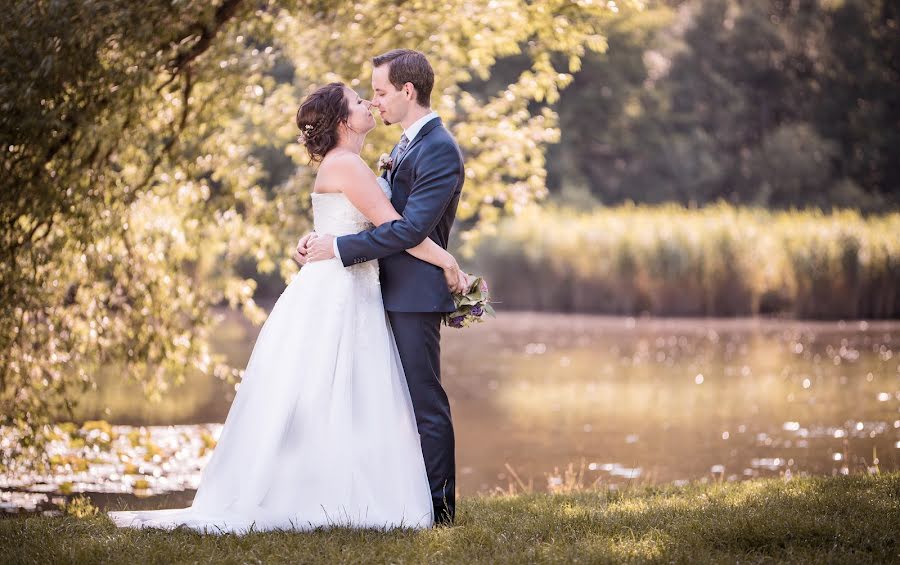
(426, 176)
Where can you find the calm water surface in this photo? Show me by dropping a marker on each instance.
(673, 400)
(643, 400)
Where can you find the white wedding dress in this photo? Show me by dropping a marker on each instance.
(322, 431)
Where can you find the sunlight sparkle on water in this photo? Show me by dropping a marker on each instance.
(126, 459)
(770, 463)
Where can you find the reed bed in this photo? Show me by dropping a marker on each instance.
(719, 260)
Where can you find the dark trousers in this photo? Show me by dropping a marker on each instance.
(418, 337)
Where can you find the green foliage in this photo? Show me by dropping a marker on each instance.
(851, 519)
(714, 261)
(779, 104)
(124, 172)
(150, 164)
(80, 507)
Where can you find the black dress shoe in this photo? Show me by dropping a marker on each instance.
(444, 515)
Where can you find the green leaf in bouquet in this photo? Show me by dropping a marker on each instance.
(476, 295)
(473, 287)
(490, 310)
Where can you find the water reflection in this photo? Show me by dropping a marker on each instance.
(620, 399)
(678, 399)
(99, 458)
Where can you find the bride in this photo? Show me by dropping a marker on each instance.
(322, 430)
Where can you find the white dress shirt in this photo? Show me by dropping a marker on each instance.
(411, 132)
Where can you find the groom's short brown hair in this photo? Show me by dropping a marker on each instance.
(406, 65)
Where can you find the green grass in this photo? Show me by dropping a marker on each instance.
(853, 519)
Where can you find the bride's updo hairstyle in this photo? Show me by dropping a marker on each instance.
(319, 117)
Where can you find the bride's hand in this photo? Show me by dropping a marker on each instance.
(302, 250)
(457, 280)
(463, 281)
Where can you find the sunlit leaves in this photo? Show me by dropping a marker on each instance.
(133, 185)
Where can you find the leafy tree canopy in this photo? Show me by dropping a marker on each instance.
(137, 139)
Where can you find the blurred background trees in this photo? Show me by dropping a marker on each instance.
(778, 104)
(708, 115)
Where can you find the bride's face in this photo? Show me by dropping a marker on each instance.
(360, 119)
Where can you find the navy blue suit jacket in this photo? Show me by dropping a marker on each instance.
(426, 181)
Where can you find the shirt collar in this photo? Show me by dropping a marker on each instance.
(413, 130)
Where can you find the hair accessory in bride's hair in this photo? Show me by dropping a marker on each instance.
(310, 131)
(319, 118)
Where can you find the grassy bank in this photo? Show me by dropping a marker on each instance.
(845, 519)
(715, 261)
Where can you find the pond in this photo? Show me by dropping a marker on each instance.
(620, 400)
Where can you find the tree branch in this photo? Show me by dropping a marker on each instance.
(177, 129)
(223, 13)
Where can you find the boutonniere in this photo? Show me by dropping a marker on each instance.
(385, 162)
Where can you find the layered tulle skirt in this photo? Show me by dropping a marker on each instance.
(322, 430)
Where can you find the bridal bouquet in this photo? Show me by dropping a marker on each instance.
(472, 306)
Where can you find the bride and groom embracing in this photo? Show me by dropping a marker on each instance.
(341, 418)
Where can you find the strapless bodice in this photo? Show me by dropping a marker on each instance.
(333, 213)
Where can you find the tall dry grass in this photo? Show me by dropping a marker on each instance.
(716, 261)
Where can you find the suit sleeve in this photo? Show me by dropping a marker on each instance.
(433, 189)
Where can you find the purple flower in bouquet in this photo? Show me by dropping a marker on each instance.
(472, 306)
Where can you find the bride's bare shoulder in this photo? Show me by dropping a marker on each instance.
(343, 168)
(345, 161)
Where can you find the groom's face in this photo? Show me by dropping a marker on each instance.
(392, 104)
